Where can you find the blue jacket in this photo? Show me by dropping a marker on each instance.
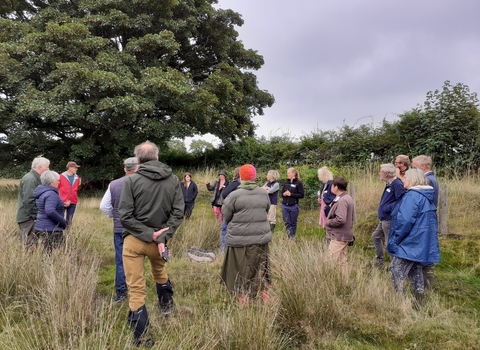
(50, 209)
(189, 193)
(414, 227)
(391, 194)
(432, 181)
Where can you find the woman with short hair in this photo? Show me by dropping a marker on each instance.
(50, 221)
(325, 195)
(272, 188)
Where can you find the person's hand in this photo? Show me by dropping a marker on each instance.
(66, 204)
(161, 248)
(319, 201)
(286, 193)
(207, 182)
(158, 233)
(265, 187)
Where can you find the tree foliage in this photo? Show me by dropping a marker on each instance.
(88, 79)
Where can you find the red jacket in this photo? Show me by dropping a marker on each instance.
(67, 191)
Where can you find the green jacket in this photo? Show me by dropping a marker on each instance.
(245, 211)
(151, 199)
(27, 210)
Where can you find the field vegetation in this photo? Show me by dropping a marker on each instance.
(65, 301)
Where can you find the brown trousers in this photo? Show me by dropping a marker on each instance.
(134, 253)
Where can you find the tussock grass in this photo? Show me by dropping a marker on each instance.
(65, 301)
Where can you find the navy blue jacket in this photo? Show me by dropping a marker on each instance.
(414, 227)
(190, 193)
(328, 196)
(391, 194)
(50, 209)
(432, 181)
(296, 190)
(232, 186)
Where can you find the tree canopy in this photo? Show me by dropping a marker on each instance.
(89, 79)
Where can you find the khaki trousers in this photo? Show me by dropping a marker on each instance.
(338, 253)
(27, 233)
(134, 253)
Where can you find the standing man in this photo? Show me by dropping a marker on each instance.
(109, 206)
(402, 162)
(27, 210)
(424, 163)
(68, 190)
(339, 225)
(151, 209)
(393, 191)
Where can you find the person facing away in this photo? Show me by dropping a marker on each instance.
(26, 207)
(109, 206)
(393, 191)
(50, 222)
(232, 186)
(413, 239)
(325, 196)
(151, 210)
(69, 184)
(424, 163)
(339, 225)
(246, 267)
(272, 187)
(217, 199)
(190, 192)
(292, 191)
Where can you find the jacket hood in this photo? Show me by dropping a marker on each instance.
(154, 170)
(248, 185)
(42, 189)
(426, 191)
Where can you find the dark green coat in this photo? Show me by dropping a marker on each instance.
(27, 210)
(151, 199)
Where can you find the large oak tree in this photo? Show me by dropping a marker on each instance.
(89, 79)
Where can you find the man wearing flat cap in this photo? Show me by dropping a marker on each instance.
(68, 190)
(109, 206)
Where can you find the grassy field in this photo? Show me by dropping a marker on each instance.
(66, 301)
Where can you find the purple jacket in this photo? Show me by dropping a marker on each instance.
(50, 209)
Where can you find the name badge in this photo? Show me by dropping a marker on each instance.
(388, 190)
(293, 186)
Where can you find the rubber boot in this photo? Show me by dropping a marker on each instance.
(272, 227)
(165, 298)
(419, 300)
(428, 276)
(138, 322)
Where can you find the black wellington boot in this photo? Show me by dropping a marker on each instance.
(165, 298)
(138, 322)
(428, 276)
(272, 227)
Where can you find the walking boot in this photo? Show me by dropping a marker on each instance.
(165, 298)
(138, 322)
(419, 300)
(428, 276)
(272, 227)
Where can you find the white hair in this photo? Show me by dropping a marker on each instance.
(48, 177)
(40, 161)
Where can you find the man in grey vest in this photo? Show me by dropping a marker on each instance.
(109, 206)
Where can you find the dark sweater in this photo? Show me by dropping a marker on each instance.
(391, 194)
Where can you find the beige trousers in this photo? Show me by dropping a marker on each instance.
(338, 253)
(134, 253)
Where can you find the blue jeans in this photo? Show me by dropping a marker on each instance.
(120, 282)
(290, 217)
(70, 210)
(224, 234)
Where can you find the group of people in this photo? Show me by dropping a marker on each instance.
(46, 203)
(407, 226)
(149, 203)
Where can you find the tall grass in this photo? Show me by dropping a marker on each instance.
(66, 301)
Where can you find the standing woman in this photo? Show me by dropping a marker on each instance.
(68, 190)
(325, 196)
(292, 191)
(272, 188)
(217, 198)
(50, 221)
(245, 270)
(190, 192)
(413, 237)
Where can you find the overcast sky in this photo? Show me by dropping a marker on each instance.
(356, 61)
